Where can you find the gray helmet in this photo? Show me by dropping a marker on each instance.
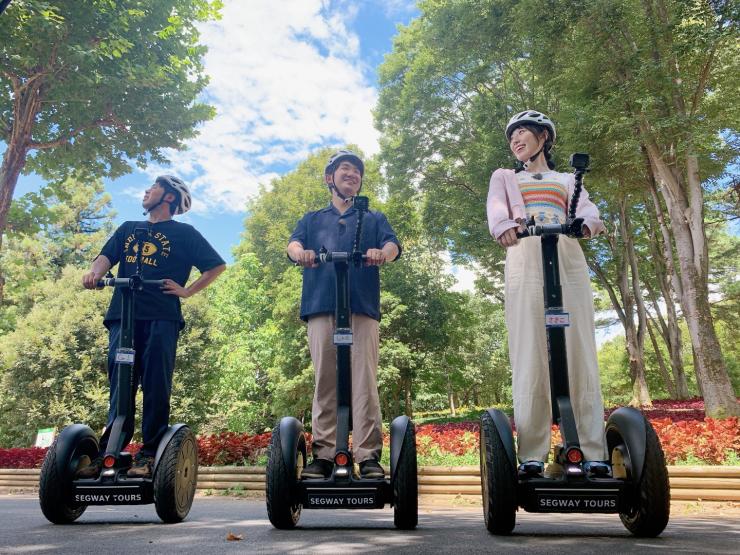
(177, 185)
(339, 156)
(533, 117)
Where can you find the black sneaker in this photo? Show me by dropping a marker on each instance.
(532, 469)
(371, 469)
(142, 467)
(597, 469)
(91, 469)
(318, 469)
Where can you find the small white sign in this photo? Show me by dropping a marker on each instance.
(44, 437)
(125, 356)
(342, 339)
(557, 320)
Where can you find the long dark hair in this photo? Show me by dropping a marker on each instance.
(538, 131)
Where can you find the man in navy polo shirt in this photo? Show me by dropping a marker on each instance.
(334, 228)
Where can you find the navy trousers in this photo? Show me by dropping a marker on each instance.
(155, 342)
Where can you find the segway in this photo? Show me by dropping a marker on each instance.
(286, 492)
(171, 488)
(637, 488)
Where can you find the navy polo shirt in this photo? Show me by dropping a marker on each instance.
(336, 233)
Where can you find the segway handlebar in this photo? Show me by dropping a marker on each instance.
(572, 228)
(129, 283)
(329, 257)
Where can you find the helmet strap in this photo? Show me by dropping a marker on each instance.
(341, 195)
(160, 201)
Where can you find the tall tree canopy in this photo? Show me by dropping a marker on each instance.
(90, 85)
(648, 86)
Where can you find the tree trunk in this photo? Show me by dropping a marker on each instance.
(691, 247)
(670, 285)
(670, 385)
(26, 105)
(635, 336)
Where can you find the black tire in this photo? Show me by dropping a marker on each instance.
(58, 471)
(283, 505)
(405, 484)
(650, 507)
(176, 477)
(498, 480)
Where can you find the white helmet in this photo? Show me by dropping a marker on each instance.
(178, 186)
(530, 116)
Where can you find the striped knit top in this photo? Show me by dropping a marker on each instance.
(546, 199)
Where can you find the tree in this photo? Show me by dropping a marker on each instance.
(53, 366)
(65, 223)
(648, 80)
(91, 84)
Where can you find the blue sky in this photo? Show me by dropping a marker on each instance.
(287, 78)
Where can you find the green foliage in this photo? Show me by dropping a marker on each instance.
(117, 81)
(53, 366)
(64, 224)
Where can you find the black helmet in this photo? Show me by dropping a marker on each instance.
(339, 156)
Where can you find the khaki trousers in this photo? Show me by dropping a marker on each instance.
(367, 436)
(524, 304)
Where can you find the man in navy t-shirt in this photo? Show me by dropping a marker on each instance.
(334, 229)
(170, 249)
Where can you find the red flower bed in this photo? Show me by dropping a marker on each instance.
(457, 438)
(22, 457)
(231, 448)
(707, 440)
(680, 425)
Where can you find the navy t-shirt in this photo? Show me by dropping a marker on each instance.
(336, 232)
(170, 250)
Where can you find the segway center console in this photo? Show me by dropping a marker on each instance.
(171, 488)
(636, 485)
(286, 492)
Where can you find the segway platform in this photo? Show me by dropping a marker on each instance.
(113, 487)
(548, 495)
(356, 494)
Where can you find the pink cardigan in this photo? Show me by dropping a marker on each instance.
(505, 204)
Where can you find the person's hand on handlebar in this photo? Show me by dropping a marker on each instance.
(508, 238)
(375, 257)
(90, 279)
(305, 258)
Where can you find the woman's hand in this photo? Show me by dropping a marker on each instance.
(508, 238)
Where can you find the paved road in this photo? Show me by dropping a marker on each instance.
(23, 529)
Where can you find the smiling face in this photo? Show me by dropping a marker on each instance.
(525, 142)
(347, 178)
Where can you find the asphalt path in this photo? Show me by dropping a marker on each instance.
(23, 529)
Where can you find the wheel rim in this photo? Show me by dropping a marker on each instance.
(486, 483)
(185, 479)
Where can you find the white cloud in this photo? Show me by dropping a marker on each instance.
(286, 79)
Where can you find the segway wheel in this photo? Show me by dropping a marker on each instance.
(498, 480)
(75, 445)
(650, 509)
(283, 506)
(405, 484)
(176, 477)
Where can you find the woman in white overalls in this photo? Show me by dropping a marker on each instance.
(536, 189)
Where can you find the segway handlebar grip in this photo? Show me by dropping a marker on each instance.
(571, 228)
(126, 282)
